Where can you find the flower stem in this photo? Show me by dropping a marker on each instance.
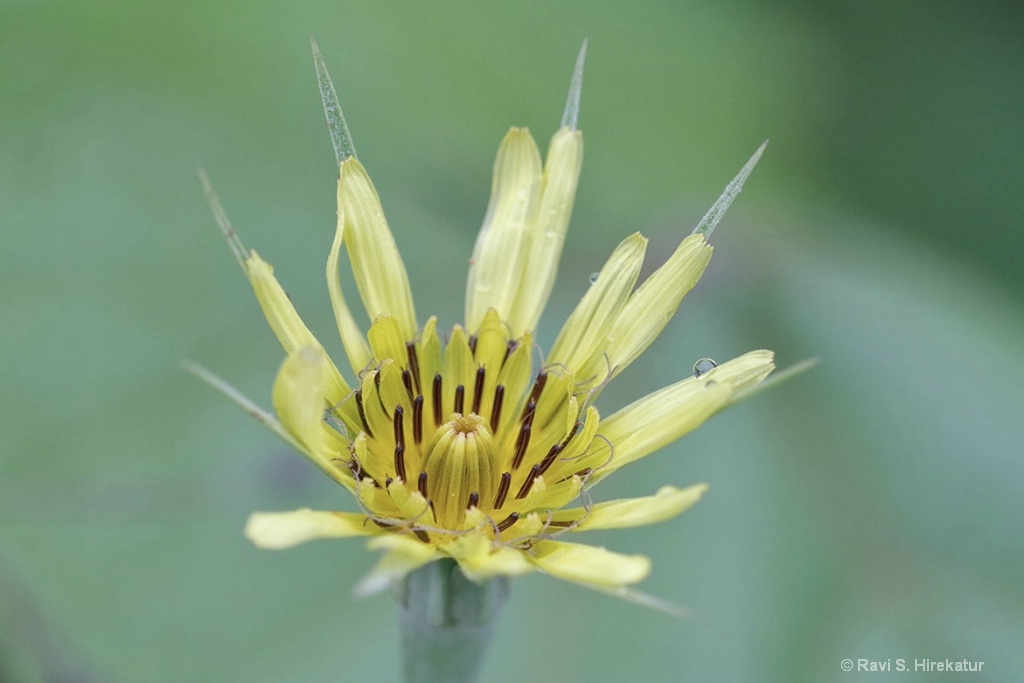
(446, 622)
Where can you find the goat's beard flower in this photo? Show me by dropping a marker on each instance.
(475, 445)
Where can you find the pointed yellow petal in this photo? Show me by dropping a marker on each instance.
(404, 554)
(654, 302)
(668, 502)
(480, 560)
(285, 322)
(588, 326)
(589, 564)
(279, 530)
(351, 335)
(496, 267)
(547, 233)
(299, 398)
(662, 417)
(386, 340)
(377, 266)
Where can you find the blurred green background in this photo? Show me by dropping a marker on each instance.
(871, 508)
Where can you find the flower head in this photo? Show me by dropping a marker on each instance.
(473, 444)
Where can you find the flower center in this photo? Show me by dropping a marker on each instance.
(459, 464)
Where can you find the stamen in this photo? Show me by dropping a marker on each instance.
(421, 485)
(528, 484)
(508, 521)
(472, 343)
(422, 535)
(460, 395)
(575, 428)
(407, 381)
(380, 396)
(399, 431)
(550, 457)
(506, 482)
(538, 387)
(362, 413)
(414, 365)
(522, 441)
(478, 390)
(399, 444)
(400, 461)
(509, 348)
(437, 400)
(474, 498)
(585, 472)
(417, 419)
(499, 396)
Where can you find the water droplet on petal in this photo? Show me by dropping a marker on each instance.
(593, 278)
(702, 366)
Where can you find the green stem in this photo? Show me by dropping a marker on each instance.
(446, 622)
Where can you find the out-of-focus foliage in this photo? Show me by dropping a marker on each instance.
(870, 508)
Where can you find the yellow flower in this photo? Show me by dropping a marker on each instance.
(474, 445)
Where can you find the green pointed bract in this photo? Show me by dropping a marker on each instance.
(341, 140)
(571, 115)
(718, 209)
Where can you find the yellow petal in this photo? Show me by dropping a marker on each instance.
(377, 266)
(404, 554)
(654, 302)
(589, 564)
(662, 417)
(351, 335)
(547, 233)
(668, 502)
(285, 322)
(299, 398)
(496, 267)
(588, 326)
(279, 530)
(386, 340)
(480, 560)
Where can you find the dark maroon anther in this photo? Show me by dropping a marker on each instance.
(474, 498)
(422, 535)
(522, 441)
(400, 461)
(528, 411)
(421, 485)
(508, 521)
(399, 430)
(564, 524)
(417, 419)
(414, 365)
(509, 348)
(478, 390)
(387, 482)
(528, 484)
(460, 396)
(437, 400)
(538, 387)
(472, 343)
(585, 472)
(575, 428)
(407, 381)
(506, 482)
(499, 397)
(550, 457)
(362, 414)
